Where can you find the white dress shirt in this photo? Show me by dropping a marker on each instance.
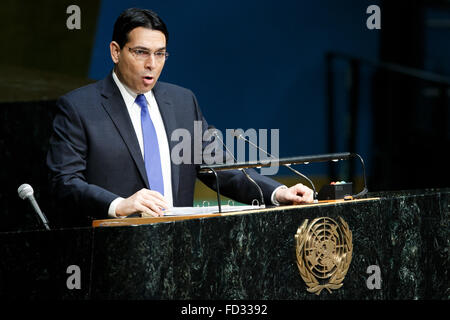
(134, 111)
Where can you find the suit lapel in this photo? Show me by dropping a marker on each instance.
(115, 107)
(167, 110)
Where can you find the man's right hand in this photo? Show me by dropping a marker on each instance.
(147, 202)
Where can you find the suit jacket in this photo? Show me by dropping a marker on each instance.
(94, 155)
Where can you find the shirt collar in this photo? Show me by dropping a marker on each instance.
(129, 95)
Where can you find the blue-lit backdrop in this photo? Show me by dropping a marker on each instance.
(260, 64)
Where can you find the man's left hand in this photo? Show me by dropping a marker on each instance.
(297, 194)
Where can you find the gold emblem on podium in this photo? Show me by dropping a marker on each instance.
(324, 252)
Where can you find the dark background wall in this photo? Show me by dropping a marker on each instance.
(252, 64)
(40, 60)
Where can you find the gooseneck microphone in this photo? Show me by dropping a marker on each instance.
(242, 169)
(25, 191)
(239, 136)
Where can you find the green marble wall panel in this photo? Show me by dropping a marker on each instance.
(253, 256)
(249, 256)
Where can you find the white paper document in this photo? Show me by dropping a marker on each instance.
(186, 211)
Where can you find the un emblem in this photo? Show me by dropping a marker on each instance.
(324, 252)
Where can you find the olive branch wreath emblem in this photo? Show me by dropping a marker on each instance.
(324, 252)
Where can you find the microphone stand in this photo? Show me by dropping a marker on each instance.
(284, 165)
(217, 187)
(296, 160)
(242, 169)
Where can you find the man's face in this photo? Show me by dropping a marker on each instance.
(138, 69)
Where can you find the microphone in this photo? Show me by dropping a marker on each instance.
(239, 136)
(25, 191)
(242, 169)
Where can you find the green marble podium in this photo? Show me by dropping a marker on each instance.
(239, 256)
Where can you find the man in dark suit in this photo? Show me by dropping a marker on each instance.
(109, 153)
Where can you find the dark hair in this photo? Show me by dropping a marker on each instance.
(133, 18)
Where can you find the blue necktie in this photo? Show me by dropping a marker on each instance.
(151, 148)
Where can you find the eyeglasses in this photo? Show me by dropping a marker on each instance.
(144, 54)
